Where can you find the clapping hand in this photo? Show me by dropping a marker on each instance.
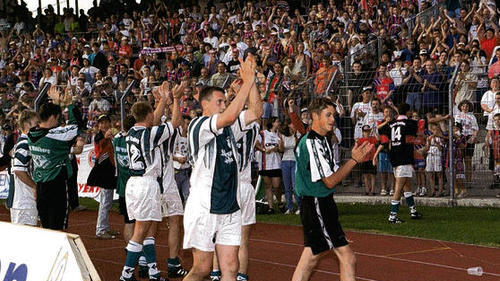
(360, 151)
(54, 94)
(247, 69)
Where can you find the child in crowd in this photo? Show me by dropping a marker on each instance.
(433, 163)
(459, 144)
(419, 165)
(382, 156)
(368, 170)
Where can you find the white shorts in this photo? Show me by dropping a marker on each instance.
(203, 230)
(247, 203)
(403, 171)
(143, 199)
(171, 203)
(433, 163)
(24, 216)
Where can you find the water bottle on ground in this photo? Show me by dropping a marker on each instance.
(477, 271)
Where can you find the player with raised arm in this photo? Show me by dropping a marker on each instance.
(212, 217)
(142, 192)
(316, 176)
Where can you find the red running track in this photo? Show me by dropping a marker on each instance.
(275, 250)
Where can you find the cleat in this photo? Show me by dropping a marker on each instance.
(383, 192)
(391, 192)
(215, 276)
(396, 220)
(416, 216)
(177, 272)
(143, 271)
(128, 279)
(105, 236)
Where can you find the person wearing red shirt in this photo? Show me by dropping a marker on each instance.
(488, 40)
(125, 50)
(368, 169)
(383, 85)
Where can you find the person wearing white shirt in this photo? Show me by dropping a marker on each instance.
(375, 116)
(488, 99)
(360, 110)
(290, 140)
(469, 130)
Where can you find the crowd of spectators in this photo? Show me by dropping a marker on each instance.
(354, 51)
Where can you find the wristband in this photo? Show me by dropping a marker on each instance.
(354, 160)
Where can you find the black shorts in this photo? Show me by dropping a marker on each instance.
(368, 168)
(122, 206)
(320, 219)
(276, 173)
(52, 202)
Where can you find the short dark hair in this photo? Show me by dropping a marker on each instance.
(140, 110)
(128, 122)
(49, 109)
(403, 108)
(496, 115)
(206, 92)
(317, 105)
(269, 122)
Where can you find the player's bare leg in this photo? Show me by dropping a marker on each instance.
(202, 264)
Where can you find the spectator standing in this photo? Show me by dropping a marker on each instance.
(181, 159)
(413, 83)
(271, 145)
(432, 97)
(434, 162)
(469, 131)
(360, 110)
(383, 85)
(465, 85)
(369, 171)
(290, 139)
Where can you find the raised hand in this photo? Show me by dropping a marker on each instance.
(178, 90)
(54, 94)
(359, 152)
(247, 69)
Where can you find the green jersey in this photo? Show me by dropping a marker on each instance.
(50, 148)
(315, 161)
(121, 157)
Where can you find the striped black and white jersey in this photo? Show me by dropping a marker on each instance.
(143, 148)
(246, 150)
(24, 197)
(215, 161)
(167, 163)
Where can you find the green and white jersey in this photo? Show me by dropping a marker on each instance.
(215, 160)
(24, 197)
(50, 149)
(122, 162)
(246, 150)
(143, 146)
(315, 161)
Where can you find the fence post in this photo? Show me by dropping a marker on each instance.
(379, 49)
(331, 83)
(127, 91)
(450, 138)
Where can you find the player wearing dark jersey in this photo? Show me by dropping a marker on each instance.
(316, 176)
(399, 134)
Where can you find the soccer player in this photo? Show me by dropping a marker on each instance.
(50, 146)
(142, 192)
(315, 178)
(172, 207)
(212, 217)
(23, 209)
(122, 167)
(399, 134)
(246, 151)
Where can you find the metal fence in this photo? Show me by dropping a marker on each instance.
(431, 104)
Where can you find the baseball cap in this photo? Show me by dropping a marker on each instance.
(366, 128)
(423, 52)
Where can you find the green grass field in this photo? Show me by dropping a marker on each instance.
(479, 226)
